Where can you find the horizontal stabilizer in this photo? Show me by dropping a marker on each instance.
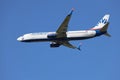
(107, 34)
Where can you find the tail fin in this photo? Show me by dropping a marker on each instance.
(102, 22)
(104, 29)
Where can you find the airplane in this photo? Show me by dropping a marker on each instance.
(62, 36)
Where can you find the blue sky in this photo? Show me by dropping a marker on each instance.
(98, 60)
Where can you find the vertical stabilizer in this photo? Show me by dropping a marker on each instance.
(104, 29)
(102, 22)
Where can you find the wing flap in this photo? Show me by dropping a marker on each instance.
(67, 44)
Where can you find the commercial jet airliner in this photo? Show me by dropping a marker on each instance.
(62, 36)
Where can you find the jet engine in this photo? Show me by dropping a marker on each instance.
(54, 44)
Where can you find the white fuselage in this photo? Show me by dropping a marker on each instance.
(71, 35)
(62, 36)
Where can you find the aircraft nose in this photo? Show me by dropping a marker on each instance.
(20, 38)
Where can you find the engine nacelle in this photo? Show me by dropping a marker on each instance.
(54, 44)
(52, 35)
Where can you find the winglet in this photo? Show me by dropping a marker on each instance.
(79, 47)
(71, 11)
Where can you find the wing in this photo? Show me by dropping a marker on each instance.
(61, 32)
(67, 44)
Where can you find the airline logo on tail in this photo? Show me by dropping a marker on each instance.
(105, 19)
(102, 22)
